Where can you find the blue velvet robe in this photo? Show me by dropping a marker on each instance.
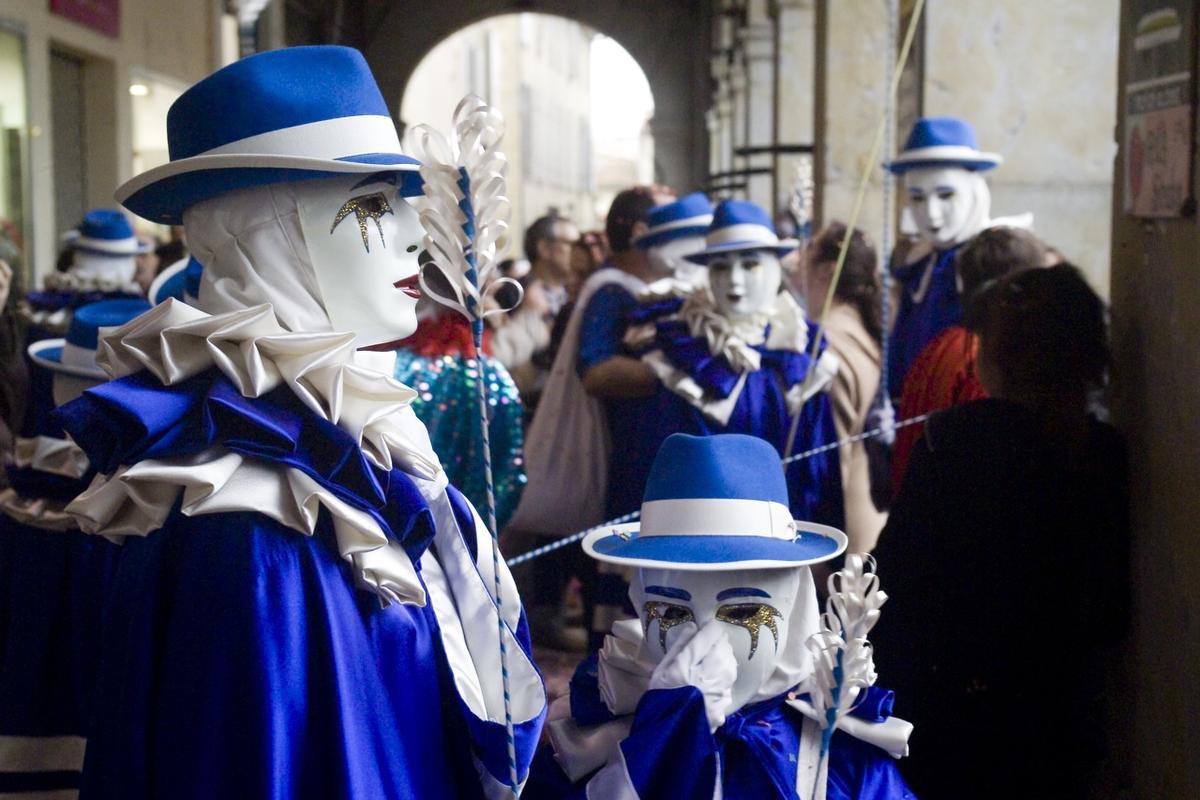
(239, 658)
(917, 324)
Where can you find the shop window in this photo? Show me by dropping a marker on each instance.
(14, 153)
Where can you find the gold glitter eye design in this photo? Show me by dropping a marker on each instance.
(751, 616)
(668, 615)
(364, 207)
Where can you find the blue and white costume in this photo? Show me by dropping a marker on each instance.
(303, 607)
(53, 580)
(647, 720)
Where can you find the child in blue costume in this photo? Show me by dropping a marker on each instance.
(53, 578)
(710, 685)
(303, 607)
(731, 356)
(950, 202)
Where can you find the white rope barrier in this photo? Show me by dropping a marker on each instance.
(571, 539)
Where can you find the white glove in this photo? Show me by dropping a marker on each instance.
(818, 379)
(704, 660)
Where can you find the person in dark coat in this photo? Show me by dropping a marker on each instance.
(1005, 557)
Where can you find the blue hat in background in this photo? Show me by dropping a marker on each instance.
(738, 226)
(76, 354)
(716, 503)
(105, 232)
(180, 280)
(283, 115)
(941, 142)
(687, 216)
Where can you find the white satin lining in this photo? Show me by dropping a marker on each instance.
(49, 454)
(136, 500)
(41, 753)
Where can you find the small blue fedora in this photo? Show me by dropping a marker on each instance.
(738, 226)
(105, 232)
(687, 216)
(716, 503)
(76, 354)
(180, 280)
(283, 115)
(940, 142)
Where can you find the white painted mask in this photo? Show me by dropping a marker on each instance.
(668, 258)
(755, 605)
(363, 240)
(745, 283)
(116, 271)
(949, 204)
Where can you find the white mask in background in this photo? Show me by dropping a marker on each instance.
(117, 271)
(754, 605)
(745, 283)
(363, 240)
(948, 204)
(668, 258)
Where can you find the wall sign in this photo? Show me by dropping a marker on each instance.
(103, 16)
(1160, 108)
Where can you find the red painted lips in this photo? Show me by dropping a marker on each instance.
(410, 286)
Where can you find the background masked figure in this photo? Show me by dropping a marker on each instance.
(698, 698)
(103, 260)
(302, 607)
(949, 201)
(673, 232)
(52, 577)
(730, 356)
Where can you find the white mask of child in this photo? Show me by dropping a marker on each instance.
(363, 240)
(949, 204)
(745, 283)
(755, 606)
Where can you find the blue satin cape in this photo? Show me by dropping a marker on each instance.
(239, 658)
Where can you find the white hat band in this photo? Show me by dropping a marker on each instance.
(717, 518)
(945, 152)
(702, 220)
(329, 139)
(116, 247)
(743, 232)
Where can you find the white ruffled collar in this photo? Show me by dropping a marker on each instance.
(71, 282)
(175, 341)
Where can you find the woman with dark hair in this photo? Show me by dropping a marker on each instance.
(853, 330)
(1005, 556)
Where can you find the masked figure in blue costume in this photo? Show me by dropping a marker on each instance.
(706, 694)
(104, 254)
(949, 202)
(53, 578)
(303, 606)
(731, 356)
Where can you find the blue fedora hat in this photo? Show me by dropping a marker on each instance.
(738, 226)
(942, 141)
(76, 354)
(180, 280)
(105, 232)
(687, 216)
(282, 115)
(716, 503)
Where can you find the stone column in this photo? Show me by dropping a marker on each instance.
(757, 40)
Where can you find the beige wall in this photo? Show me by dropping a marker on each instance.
(1156, 324)
(178, 40)
(1038, 82)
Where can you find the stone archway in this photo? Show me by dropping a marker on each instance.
(394, 37)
